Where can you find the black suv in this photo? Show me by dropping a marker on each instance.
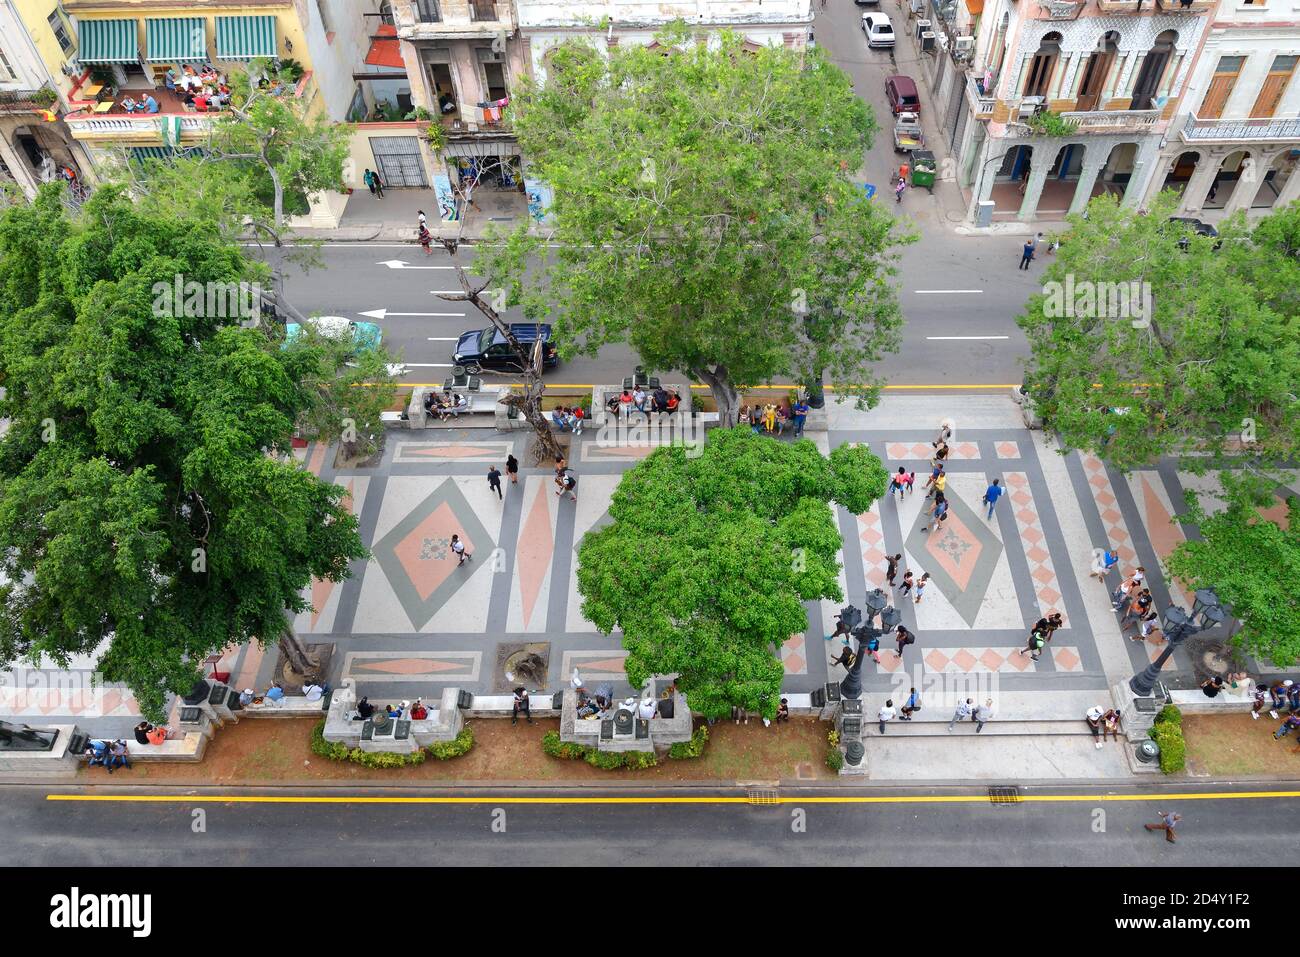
(1196, 226)
(488, 349)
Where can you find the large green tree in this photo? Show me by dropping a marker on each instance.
(147, 497)
(1212, 370)
(704, 212)
(709, 559)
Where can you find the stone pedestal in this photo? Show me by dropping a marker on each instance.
(396, 738)
(1135, 722)
(60, 761)
(193, 718)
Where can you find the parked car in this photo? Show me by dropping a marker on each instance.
(879, 30)
(363, 335)
(867, 3)
(488, 348)
(902, 94)
(1196, 226)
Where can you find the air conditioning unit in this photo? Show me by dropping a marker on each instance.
(927, 41)
(1031, 105)
(964, 48)
(922, 24)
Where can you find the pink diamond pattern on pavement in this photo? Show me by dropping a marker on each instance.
(1103, 495)
(1066, 659)
(1046, 587)
(792, 656)
(872, 534)
(987, 660)
(922, 451)
(1008, 450)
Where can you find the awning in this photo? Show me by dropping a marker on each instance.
(385, 51)
(142, 153)
(175, 40)
(243, 38)
(975, 7)
(108, 41)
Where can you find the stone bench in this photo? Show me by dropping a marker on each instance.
(1194, 701)
(444, 723)
(290, 706)
(503, 705)
(601, 394)
(188, 747)
(480, 403)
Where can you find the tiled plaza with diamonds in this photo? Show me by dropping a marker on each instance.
(412, 619)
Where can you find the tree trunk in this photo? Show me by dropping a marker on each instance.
(295, 653)
(724, 392)
(279, 196)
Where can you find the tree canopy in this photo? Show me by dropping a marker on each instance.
(709, 559)
(146, 492)
(704, 213)
(1212, 371)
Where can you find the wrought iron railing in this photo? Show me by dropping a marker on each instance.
(1267, 128)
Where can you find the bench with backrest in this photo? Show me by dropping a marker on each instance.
(480, 403)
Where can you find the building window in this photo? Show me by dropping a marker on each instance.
(6, 71)
(60, 28)
(427, 11)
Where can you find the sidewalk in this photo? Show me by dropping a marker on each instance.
(411, 621)
(367, 218)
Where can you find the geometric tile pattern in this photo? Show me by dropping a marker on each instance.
(872, 537)
(533, 554)
(410, 666)
(1007, 450)
(443, 452)
(961, 556)
(1046, 587)
(910, 451)
(1065, 658)
(1164, 533)
(101, 702)
(593, 666)
(988, 660)
(793, 658)
(1117, 535)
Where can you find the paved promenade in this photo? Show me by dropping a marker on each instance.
(410, 620)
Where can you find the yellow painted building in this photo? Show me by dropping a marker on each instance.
(102, 51)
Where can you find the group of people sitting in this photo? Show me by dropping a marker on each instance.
(1283, 694)
(446, 406)
(638, 400)
(204, 89)
(568, 419)
(313, 690)
(146, 733)
(146, 104)
(1102, 723)
(411, 711)
(773, 418)
(107, 754)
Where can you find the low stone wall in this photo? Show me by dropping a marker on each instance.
(1225, 702)
(443, 724)
(663, 732)
(484, 402)
(290, 706)
(601, 394)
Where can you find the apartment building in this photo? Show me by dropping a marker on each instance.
(1116, 70)
(1236, 136)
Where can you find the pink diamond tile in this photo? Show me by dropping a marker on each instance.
(1036, 554)
(1044, 574)
(991, 659)
(872, 535)
(1017, 479)
(1110, 516)
(1032, 534)
(795, 665)
(1027, 515)
(1049, 596)
(1008, 450)
(1019, 662)
(1066, 659)
(889, 663)
(936, 660)
(1022, 497)
(964, 660)
(1099, 481)
(1104, 498)
(965, 450)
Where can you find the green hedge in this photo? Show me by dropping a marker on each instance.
(1173, 749)
(1169, 714)
(605, 760)
(834, 756)
(692, 748)
(337, 751)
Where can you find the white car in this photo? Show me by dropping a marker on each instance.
(879, 31)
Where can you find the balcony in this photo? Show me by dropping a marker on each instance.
(1177, 6)
(1113, 121)
(1197, 130)
(110, 120)
(454, 19)
(1125, 6)
(1059, 9)
(980, 105)
(20, 101)
(483, 11)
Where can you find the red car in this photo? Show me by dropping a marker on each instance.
(903, 97)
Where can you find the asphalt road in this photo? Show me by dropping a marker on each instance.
(923, 828)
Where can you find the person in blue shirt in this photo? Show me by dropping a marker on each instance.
(992, 494)
(149, 104)
(800, 417)
(274, 694)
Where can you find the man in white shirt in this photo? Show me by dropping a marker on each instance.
(962, 713)
(886, 714)
(313, 692)
(639, 399)
(647, 708)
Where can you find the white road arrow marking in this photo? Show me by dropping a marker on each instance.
(381, 313)
(402, 264)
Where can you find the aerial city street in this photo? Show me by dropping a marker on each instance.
(527, 432)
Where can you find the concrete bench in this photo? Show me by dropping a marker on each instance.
(1194, 701)
(290, 706)
(480, 403)
(188, 747)
(500, 705)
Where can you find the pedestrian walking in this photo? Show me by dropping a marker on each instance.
(920, 585)
(801, 407)
(910, 481)
(935, 471)
(521, 704)
(944, 435)
(891, 569)
(566, 481)
(494, 481)
(458, 547)
(1026, 255)
(913, 704)
(992, 494)
(982, 714)
(1168, 821)
(899, 187)
(1128, 588)
(907, 582)
(371, 181)
(426, 241)
(872, 648)
(420, 218)
(904, 638)
(841, 628)
(1035, 647)
(938, 514)
(963, 712)
(897, 482)
(1103, 560)
(845, 658)
(886, 714)
(512, 469)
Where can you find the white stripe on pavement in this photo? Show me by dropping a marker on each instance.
(968, 337)
(945, 292)
(445, 338)
(427, 365)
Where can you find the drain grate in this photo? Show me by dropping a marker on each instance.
(1004, 795)
(763, 796)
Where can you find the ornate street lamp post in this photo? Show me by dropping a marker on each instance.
(1178, 626)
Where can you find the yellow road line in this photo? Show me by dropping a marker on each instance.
(1167, 797)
